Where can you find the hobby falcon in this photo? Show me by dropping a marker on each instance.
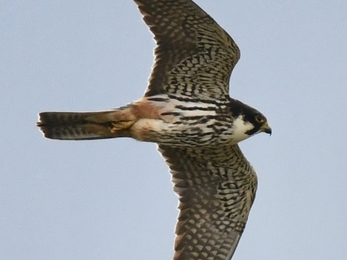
(187, 111)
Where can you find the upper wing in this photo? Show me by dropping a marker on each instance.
(194, 56)
(216, 189)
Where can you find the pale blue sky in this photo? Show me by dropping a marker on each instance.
(113, 199)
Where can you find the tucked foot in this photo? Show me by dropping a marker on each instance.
(121, 126)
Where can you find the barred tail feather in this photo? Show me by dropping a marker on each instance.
(78, 126)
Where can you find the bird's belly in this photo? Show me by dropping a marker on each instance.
(202, 131)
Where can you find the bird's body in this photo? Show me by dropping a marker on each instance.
(187, 111)
(163, 119)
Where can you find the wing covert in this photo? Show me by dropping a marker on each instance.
(216, 189)
(194, 56)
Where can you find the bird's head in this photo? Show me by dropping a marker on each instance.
(247, 121)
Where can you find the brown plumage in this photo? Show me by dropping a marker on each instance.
(188, 112)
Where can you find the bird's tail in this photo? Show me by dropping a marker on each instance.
(85, 125)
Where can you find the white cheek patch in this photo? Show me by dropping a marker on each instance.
(240, 127)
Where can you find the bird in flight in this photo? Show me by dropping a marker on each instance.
(187, 111)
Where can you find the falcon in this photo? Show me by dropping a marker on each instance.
(187, 111)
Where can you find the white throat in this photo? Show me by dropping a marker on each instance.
(240, 127)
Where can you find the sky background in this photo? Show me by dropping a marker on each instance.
(113, 199)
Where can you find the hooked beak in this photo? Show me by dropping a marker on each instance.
(266, 128)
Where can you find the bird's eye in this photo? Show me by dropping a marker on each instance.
(259, 119)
